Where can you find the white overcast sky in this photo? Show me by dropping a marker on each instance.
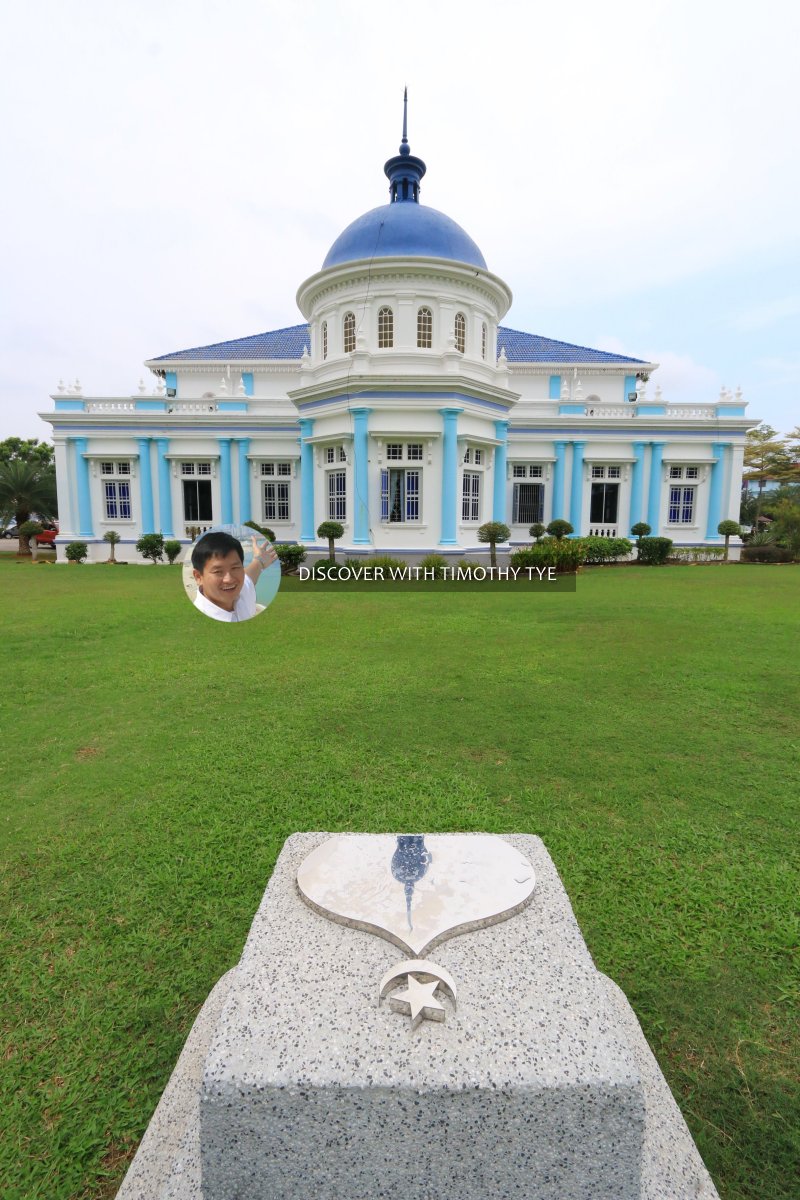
(175, 169)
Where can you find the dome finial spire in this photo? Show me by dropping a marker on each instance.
(404, 171)
(404, 146)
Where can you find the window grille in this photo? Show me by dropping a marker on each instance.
(349, 332)
(268, 468)
(681, 505)
(400, 495)
(676, 472)
(478, 458)
(692, 472)
(519, 471)
(483, 340)
(471, 496)
(284, 468)
(468, 456)
(414, 451)
(187, 468)
(276, 501)
(204, 468)
(117, 498)
(330, 454)
(528, 506)
(337, 495)
(385, 329)
(535, 472)
(424, 329)
(598, 472)
(614, 472)
(394, 450)
(324, 339)
(460, 330)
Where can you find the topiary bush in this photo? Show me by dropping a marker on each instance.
(493, 532)
(654, 551)
(603, 550)
(728, 529)
(151, 545)
(332, 531)
(77, 552)
(566, 557)
(560, 528)
(172, 549)
(264, 530)
(291, 554)
(537, 530)
(435, 563)
(639, 530)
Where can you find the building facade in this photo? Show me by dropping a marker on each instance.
(403, 408)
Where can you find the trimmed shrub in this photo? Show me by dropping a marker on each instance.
(151, 545)
(654, 551)
(697, 554)
(537, 530)
(435, 563)
(77, 552)
(766, 553)
(332, 531)
(493, 532)
(728, 529)
(172, 549)
(639, 530)
(564, 556)
(560, 528)
(264, 530)
(291, 554)
(601, 549)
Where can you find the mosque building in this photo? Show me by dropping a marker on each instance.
(401, 408)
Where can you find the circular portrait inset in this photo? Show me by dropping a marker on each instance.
(231, 573)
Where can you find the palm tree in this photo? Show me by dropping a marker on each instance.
(27, 487)
(112, 537)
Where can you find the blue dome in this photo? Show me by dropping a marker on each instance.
(404, 230)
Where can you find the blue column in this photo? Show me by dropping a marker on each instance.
(360, 477)
(558, 481)
(630, 387)
(715, 492)
(164, 494)
(576, 489)
(308, 531)
(500, 456)
(637, 484)
(146, 486)
(555, 387)
(225, 482)
(86, 529)
(244, 481)
(449, 476)
(654, 493)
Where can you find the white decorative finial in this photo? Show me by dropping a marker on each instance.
(241, 388)
(61, 389)
(502, 360)
(223, 386)
(578, 391)
(142, 388)
(739, 395)
(565, 388)
(77, 387)
(641, 389)
(722, 392)
(658, 391)
(161, 387)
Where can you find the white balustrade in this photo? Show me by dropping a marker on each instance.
(110, 406)
(608, 531)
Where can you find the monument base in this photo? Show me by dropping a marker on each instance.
(293, 1082)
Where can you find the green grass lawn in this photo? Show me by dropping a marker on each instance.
(154, 761)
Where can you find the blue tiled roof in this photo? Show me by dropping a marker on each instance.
(530, 347)
(288, 343)
(277, 343)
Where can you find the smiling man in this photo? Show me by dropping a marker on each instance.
(225, 586)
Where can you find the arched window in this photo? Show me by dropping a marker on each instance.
(483, 340)
(424, 329)
(324, 339)
(385, 329)
(349, 332)
(461, 332)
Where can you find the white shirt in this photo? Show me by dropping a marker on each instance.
(244, 608)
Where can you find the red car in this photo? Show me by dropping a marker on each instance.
(47, 537)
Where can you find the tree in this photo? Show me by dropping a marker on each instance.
(26, 531)
(560, 528)
(537, 530)
(493, 532)
(25, 488)
(728, 529)
(151, 545)
(113, 539)
(786, 525)
(765, 458)
(29, 450)
(172, 549)
(332, 530)
(639, 530)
